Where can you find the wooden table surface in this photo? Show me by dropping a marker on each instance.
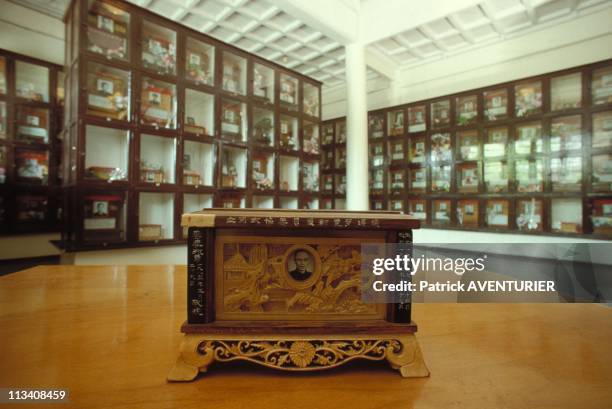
(110, 335)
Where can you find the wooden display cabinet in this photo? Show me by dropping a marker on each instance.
(135, 79)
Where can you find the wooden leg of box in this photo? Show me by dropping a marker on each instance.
(409, 360)
(190, 361)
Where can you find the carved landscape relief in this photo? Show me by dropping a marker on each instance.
(292, 279)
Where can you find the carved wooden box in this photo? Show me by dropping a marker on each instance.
(282, 288)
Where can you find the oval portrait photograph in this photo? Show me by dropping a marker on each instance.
(302, 266)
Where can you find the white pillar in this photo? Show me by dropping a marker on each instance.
(357, 186)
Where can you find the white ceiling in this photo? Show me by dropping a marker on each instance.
(294, 34)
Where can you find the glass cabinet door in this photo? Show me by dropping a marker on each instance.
(288, 92)
(467, 213)
(395, 123)
(441, 147)
(157, 159)
(262, 170)
(200, 62)
(32, 124)
(289, 170)
(3, 121)
(288, 133)
(528, 99)
(108, 29)
(528, 139)
(3, 165)
(340, 158)
(199, 113)
(155, 216)
(496, 176)
(233, 167)
(328, 183)
(158, 48)
(566, 133)
(106, 153)
(417, 208)
(31, 208)
(341, 132)
(328, 134)
(417, 119)
(497, 213)
(529, 214)
(495, 142)
(417, 149)
(310, 176)
(375, 126)
(441, 212)
(263, 126)
(32, 81)
(467, 177)
(496, 104)
(566, 174)
(601, 176)
(396, 151)
(566, 215)
(233, 120)
(158, 104)
(396, 205)
(396, 181)
(467, 110)
(340, 183)
(311, 100)
(418, 180)
(108, 92)
(234, 73)
(441, 178)
(263, 83)
(377, 154)
(601, 216)
(566, 92)
(469, 146)
(529, 175)
(602, 130)
(311, 137)
(198, 163)
(377, 180)
(440, 114)
(601, 86)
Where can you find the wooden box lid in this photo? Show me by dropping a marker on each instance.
(284, 218)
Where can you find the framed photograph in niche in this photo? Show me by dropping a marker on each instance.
(311, 102)
(601, 215)
(328, 183)
(396, 181)
(396, 150)
(233, 120)
(200, 62)
(566, 133)
(417, 149)
(158, 104)
(327, 160)
(262, 170)
(496, 176)
(495, 142)
(496, 104)
(341, 132)
(288, 91)
(602, 130)
(566, 92)
(340, 183)
(529, 214)
(288, 133)
(234, 69)
(32, 166)
(103, 218)
(441, 147)
(528, 99)
(469, 145)
(31, 208)
(328, 134)
(601, 177)
(158, 48)
(32, 124)
(310, 176)
(263, 126)
(310, 141)
(440, 114)
(601, 86)
(441, 178)
(566, 215)
(417, 208)
(566, 174)
(396, 205)
(497, 213)
(377, 181)
(340, 158)
(376, 126)
(377, 154)
(418, 180)
(395, 122)
(467, 212)
(108, 92)
(377, 205)
(466, 110)
(467, 177)
(108, 30)
(417, 119)
(529, 175)
(263, 83)
(528, 139)
(440, 212)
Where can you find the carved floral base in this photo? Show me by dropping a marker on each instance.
(303, 353)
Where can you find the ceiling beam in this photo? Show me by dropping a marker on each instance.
(381, 63)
